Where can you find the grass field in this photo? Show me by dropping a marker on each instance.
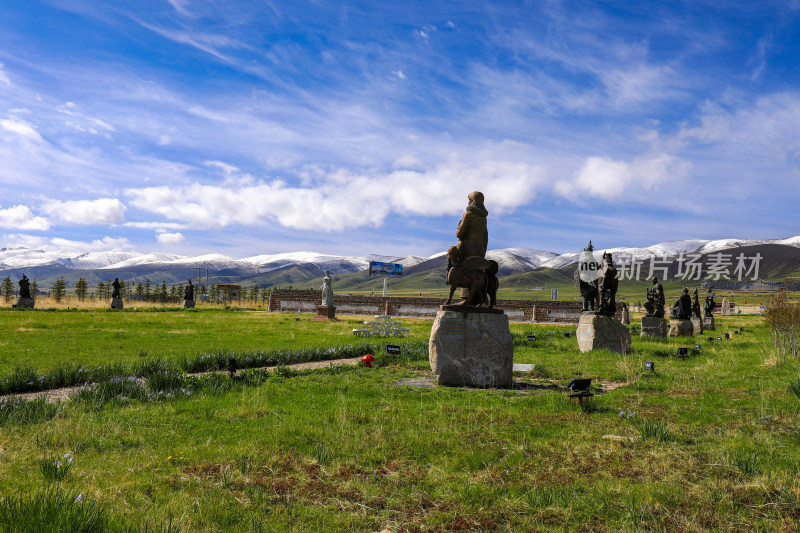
(709, 443)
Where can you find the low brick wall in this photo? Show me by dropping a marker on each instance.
(304, 301)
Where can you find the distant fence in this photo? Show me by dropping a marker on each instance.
(305, 301)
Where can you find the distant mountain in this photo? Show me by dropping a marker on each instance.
(524, 265)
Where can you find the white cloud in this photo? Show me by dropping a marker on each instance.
(100, 211)
(4, 79)
(21, 128)
(399, 74)
(345, 199)
(21, 217)
(101, 245)
(609, 179)
(170, 238)
(156, 225)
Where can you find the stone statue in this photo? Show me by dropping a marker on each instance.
(116, 288)
(608, 284)
(24, 287)
(327, 291)
(682, 309)
(655, 300)
(474, 273)
(188, 291)
(473, 237)
(710, 304)
(696, 305)
(588, 285)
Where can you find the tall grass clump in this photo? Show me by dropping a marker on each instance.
(56, 510)
(648, 429)
(21, 411)
(783, 319)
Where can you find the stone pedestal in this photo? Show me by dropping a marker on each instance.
(472, 349)
(600, 332)
(654, 327)
(116, 303)
(325, 312)
(698, 325)
(708, 323)
(680, 328)
(188, 304)
(25, 303)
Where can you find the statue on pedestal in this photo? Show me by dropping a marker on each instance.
(655, 300)
(608, 287)
(327, 291)
(188, 291)
(696, 305)
(467, 266)
(24, 287)
(682, 308)
(586, 279)
(116, 286)
(710, 304)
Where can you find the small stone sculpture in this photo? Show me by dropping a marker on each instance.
(474, 273)
(608, 287)
(188, 291)
(682, 309)
(710, 304)
(655, 300)
(116, 288)
(587, 284)
(327, 291)
(24, 287)
(696, 305)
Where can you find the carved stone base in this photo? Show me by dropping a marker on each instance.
(188, 304)
(116, 303)
(698, 325)
(325, 312)
(600, 332)
(680, 328)
(708, 323)
(471, 349)
(469, 309)
(653, 326)
(25, 303)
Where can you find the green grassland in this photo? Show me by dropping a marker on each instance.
(709, 443)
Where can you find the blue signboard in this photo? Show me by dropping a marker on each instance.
(376, 268)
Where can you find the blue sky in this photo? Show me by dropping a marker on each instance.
(251, 127)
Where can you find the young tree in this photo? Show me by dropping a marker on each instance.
(173, 293)
(253, 296)
(147, 291)
(123, 288)
(7, 289)
(101, 289)
(202, 293)
(214, 293)
(139, 291)
(162, 292)
(80, 289)
(179, 292)
(34, 288)
(264, 295)
(58, 290)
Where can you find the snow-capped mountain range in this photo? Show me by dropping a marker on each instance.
(514, 259)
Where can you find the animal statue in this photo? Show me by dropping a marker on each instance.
(475, 273)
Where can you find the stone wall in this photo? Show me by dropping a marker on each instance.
(304, 301)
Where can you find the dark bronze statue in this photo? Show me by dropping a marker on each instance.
(655, 300)
(473, 237)
(608, 287)
(116, 288)
(24, 287)
(696, 305)
(588, 287)
(710, 304)
(476, 274)
(682, 309)
(188, 291)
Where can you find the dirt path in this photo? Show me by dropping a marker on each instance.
(63, 394)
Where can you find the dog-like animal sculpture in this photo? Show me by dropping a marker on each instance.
(475, 273)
